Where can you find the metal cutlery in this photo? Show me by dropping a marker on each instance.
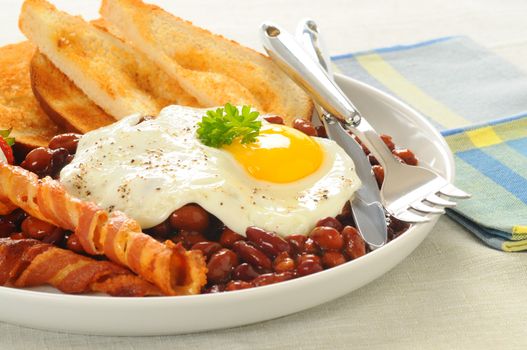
(366, 206)
(408, 192)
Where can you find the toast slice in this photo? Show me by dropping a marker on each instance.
(119, 79)
(62, 100)
(19, 109)
(211, 68)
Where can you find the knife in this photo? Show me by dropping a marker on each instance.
(367, 209)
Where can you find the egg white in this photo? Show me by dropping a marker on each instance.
(150, 168)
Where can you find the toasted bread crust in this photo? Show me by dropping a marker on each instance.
(116, 77)
(19, 109)
(62, 100)
(214, 69)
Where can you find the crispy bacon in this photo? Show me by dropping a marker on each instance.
(30, 263)
(167, 265)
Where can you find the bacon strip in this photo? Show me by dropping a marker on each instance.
(30, 263)
(167, 265)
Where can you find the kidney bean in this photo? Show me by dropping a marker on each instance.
(161, 231)
(330, 222)
(216, 288)
(17, 236)
(244, 272)
(345, 213)
(238, 285)
(59, 159)
(207, 248)
(364, 148)
(37, 229)
(56, 237)
(252, 255)
(275, 119)
(321, 131)
(311, 247)
(397, 226)
(406, 156)
(7, 227)
(188, 238)
(354, 245)
(388, 141)
(297, 243)
(308, 264)
(305, 126)
(327, 238)
(270, 278)
(283, 262)
(38, 161)
(69, 141)
(221, 265)
(228, 237)
(332, 259)
(268, 242)
(16, 216)
(74, 244)
(190, 217)
(378, 171)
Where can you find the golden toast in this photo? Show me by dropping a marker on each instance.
(211, 68)
(119, 79)
(19, 109)
(62, 100)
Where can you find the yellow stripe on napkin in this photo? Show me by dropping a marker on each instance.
(406, 90)
(484, 137)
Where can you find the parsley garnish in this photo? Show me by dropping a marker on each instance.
(222, 126)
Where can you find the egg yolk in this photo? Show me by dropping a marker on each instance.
(280, 154)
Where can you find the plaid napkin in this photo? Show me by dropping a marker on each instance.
(479, 102)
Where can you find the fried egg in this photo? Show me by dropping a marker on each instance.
(284, 182)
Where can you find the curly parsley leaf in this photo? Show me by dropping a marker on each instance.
(5, 135)
(222, 126)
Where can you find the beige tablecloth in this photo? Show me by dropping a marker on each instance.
(452, 292)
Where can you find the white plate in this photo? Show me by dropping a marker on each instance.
(47, 309)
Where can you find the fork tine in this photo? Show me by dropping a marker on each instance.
(420, 206)
(452, 191)
(435, 199)
(410, 217)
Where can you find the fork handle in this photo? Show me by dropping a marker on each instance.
(291, 58)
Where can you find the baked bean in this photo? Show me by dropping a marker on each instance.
(188, 238)
(345, 213)
(354, 245)
(38, 161)
(321, 131)
(37, 229)
(364, 148)
(190, 217)
(275, 119)
(74, 244)
(308, 264)
(59, 159)
(311, 247)
(221, 265)
(252, 255)
(327, 238)
(283, 262)
(16, 216)
(406, 156)
(228, 237)
(268, 242)
(297, 243)
(207, 248)
(238, 285)
(161, 231)
(216, 288)
(378, 171)
(7, 227)
(68, 141)
(332, 259)
(270, 278)
(397, 226)
(56, 237)
(244, 272)
(305, 126)
(330, 222)
(17, 236)
(388, 141)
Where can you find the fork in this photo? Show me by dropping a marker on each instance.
(408, 192)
